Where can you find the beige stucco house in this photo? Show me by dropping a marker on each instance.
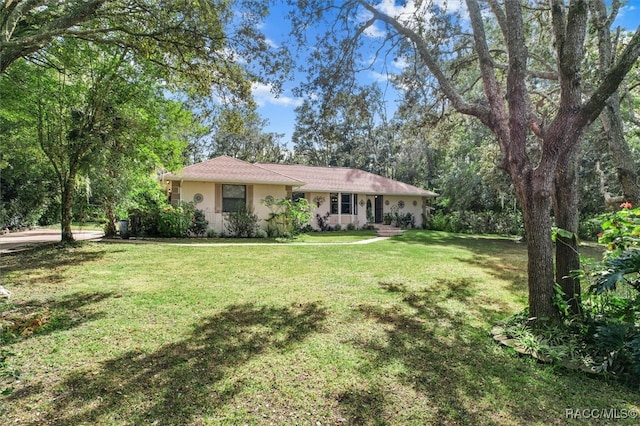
(217, 185)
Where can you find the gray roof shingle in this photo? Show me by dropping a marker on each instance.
(231, 170)
(305, 178)
(342, 179)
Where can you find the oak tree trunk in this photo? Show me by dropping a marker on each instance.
(535, 199)
(565, 206)
(610, 116)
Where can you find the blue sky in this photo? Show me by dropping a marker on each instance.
(279, 111)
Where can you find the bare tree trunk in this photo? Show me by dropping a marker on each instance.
(610, 116)
(619, 149)
(110, 214)
(535, 199)
(68, 193)
(565, 206)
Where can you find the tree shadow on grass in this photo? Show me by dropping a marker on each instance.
(182, 380)
(362, 406)
(37, 317)
(462, 376)
(504, 258)
(54, 259)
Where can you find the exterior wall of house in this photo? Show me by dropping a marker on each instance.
(324, 200)
(411, 204)
(213, 213)
(260, 192)
(187, 192)
(320, 204)
(405, 204)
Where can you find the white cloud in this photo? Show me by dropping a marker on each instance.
(400, 63)
(263, 95)
(379, 77)
(271, 43)
(408, 12)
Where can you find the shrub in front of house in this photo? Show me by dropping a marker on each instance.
(488, 222)
(288, 218)
(242, 223)
(154, 218)
(172, 222)
(199, 223)
(323, 222)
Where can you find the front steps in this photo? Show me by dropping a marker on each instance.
(387, 230)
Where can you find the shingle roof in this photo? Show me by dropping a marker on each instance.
(231, 170)
(305, 178)
(340, 179)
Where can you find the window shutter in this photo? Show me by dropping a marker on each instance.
(218, 203)
(249, 196)
(175, 192)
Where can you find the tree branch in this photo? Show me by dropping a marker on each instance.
(423, 50)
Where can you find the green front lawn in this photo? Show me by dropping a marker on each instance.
(394, 332)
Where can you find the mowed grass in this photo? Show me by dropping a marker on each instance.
(394, 332)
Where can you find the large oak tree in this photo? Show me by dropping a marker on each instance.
(508, 70)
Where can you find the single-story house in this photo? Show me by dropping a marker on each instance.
(346, 195)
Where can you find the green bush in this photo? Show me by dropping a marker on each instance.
(152, 216)
(174, 221)
(589, 228)
(489, 222)
(199, 223)
(242, 222)
(287, 218)
(323, 222)
(438, 222)
(605, 338)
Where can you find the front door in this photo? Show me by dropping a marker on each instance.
(379, 209)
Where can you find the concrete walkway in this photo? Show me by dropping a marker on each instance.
(198, 244)
(24, 240)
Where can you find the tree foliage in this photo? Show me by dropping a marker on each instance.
(101, 73)
(343, 128)
(195, 45)
(93, 115)
(237, 131)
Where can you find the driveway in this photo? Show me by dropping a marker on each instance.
(17, 241)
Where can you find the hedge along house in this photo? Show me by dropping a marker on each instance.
(342, 195)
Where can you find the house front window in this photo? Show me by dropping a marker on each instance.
(233, 197)
(334, 203)
(346, 206)
(344, 203)
(296, 196)
(349, 204)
